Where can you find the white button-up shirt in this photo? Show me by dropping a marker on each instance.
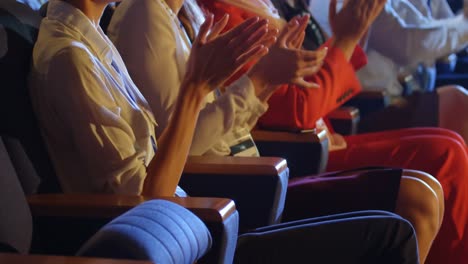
(404, 35)
(155, 49)
(97, 126)
(408, 33)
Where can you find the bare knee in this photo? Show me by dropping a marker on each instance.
(434, 185)
(418, 203)
(430, 180)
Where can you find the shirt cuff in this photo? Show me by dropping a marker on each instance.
(245, 87)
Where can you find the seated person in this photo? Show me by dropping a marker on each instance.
(230, 116)
(100, 131)
(393, 148)
(420, 35)
(229, 109)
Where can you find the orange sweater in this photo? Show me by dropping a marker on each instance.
(292, 107)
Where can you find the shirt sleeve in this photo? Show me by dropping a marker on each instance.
(156, 63)
(416, 38)
(358, 58)
(236, 109)
(292, 107)
(296, 108)
(441, 9)
(88, 119)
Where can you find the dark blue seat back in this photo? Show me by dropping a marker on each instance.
(15, 217)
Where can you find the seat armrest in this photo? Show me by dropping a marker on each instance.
(369, 101)
(109, 206)
(48, 259)
(345, 120)
(63, 222)
(306, 152)
(257, 185)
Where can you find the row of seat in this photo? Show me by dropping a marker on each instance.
(62, 223)
(161, 231)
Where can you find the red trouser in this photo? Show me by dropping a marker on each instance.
(439, 152)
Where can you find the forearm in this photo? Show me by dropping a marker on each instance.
(346, 46)
(297, 108)
(262, 90)
(165, 169)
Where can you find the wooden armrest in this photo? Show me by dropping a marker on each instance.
(63, 222)
(240, 166)
(47, 259)
(242, 179)
(305, 152)
(345, 120)
(111, 206)
(305, 137)
(345, 112)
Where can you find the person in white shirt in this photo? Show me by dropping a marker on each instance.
(149, 31)
(100, 133)
(161, 37)
(419, 35)
(97, 126)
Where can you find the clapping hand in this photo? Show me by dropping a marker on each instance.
(215, 57)
(287, 62)
(351, 23)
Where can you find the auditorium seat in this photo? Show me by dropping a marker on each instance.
(268, 174)
(63, 222)
(158, 230)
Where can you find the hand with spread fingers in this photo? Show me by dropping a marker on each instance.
(215, 57)
(287, 63)
(351, 23)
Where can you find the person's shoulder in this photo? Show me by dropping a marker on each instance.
(60, 46)
(132, 14)
(66, 57)
(74, 51)
(140, 7)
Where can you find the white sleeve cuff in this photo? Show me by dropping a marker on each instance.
(245, 87)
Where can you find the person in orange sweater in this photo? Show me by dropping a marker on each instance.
(162, 48)
(439, 152)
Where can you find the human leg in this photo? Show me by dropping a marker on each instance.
(405, 132)
(369, 189)
(441, 156)
(453, 107)
(435, 186)
(418, 204)
(376, 237)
